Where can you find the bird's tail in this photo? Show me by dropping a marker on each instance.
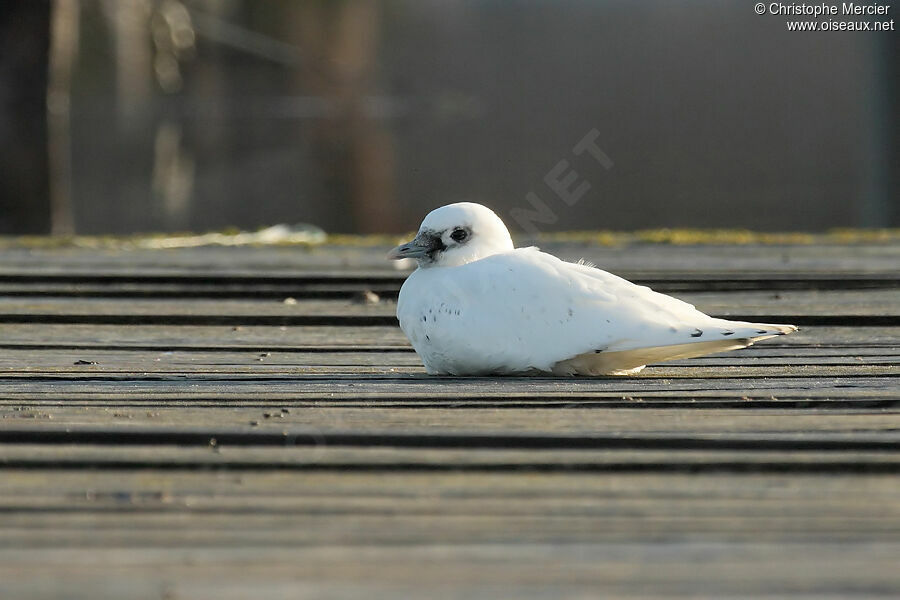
(752, 331)
(731, 335)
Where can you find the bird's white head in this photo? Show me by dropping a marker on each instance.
(456, 234)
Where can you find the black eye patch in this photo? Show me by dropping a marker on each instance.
(459, 235)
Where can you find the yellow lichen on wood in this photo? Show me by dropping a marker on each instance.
(722, 236)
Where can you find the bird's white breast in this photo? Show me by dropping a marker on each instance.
(502, 314)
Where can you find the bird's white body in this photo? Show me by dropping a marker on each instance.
(492, 309)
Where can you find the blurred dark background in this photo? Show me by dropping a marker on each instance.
(120, 116)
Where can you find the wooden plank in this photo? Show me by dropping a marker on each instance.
(857, 302)
(814, 257)
(163, 337)
(306, 338)
(772, 569)
(312, 286)
(877, 490)
(468, 419)
(456, 493)
(245, 528)
(327, 386)
(300, 320)
(253, 369)
(835, 302)
(58, 361)
(371, 457)
(283, 520)
(39, 406)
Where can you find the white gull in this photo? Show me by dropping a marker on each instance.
(477, 306)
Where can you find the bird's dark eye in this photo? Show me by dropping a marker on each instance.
(459, 235)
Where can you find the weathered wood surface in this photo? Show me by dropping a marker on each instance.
(773, 260)
(317, 338)
(817, 302)
(170, 428)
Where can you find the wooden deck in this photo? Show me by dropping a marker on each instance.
(171, 427)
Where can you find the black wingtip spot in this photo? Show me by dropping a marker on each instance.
(728, 332)
(697, 333)
(761, 331)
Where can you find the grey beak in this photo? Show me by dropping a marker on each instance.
(408, 250)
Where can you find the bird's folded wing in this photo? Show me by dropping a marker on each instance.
(547, 310)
